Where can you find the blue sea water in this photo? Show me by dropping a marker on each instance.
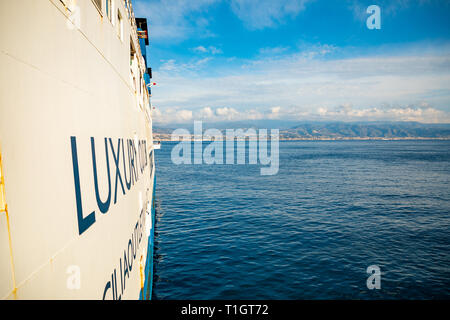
(311, 231)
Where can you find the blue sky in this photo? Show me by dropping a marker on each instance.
(216, 60)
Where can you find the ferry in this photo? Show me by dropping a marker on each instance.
(77, 169)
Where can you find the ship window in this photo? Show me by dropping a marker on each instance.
(119, 25)
(98, 5)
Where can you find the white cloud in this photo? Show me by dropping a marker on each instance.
(206, 113)
(188, 68)
(176, 20)
(200, 49)
(307, 86)
(275, 110)
(171, 20)
(266, 13)
(210, 49)
(273, 50)
(214, 50)
(172, 115)
(421, 113)
(185, 115)
(227, 113)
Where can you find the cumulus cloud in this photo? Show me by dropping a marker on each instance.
(421, 113)
(206, 113)
(172, 67)
(172, 115)
(227, 113)
(306, 85)
(210, 49)
(275, 110)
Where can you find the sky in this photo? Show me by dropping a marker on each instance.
(228, 60)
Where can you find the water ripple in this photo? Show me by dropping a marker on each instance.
(310, 232)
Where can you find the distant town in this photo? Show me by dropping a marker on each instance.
(320, 131)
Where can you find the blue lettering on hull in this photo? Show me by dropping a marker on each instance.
(136, 161)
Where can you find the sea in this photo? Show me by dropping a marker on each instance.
(333, 210)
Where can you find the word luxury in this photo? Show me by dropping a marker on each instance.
(214, 152)
(134, 161)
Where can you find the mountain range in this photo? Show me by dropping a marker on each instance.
(293, 130)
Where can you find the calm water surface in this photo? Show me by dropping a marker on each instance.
(309, 232)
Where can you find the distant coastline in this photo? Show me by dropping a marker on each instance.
(167, 138)
(318, 131)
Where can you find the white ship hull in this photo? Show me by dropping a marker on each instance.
(76, 154)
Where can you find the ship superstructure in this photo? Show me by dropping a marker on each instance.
(77, 173)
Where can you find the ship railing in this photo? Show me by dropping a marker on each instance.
(134, 34)
(140, 58)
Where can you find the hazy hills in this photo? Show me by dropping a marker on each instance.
(328, 130)
(369, 130)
